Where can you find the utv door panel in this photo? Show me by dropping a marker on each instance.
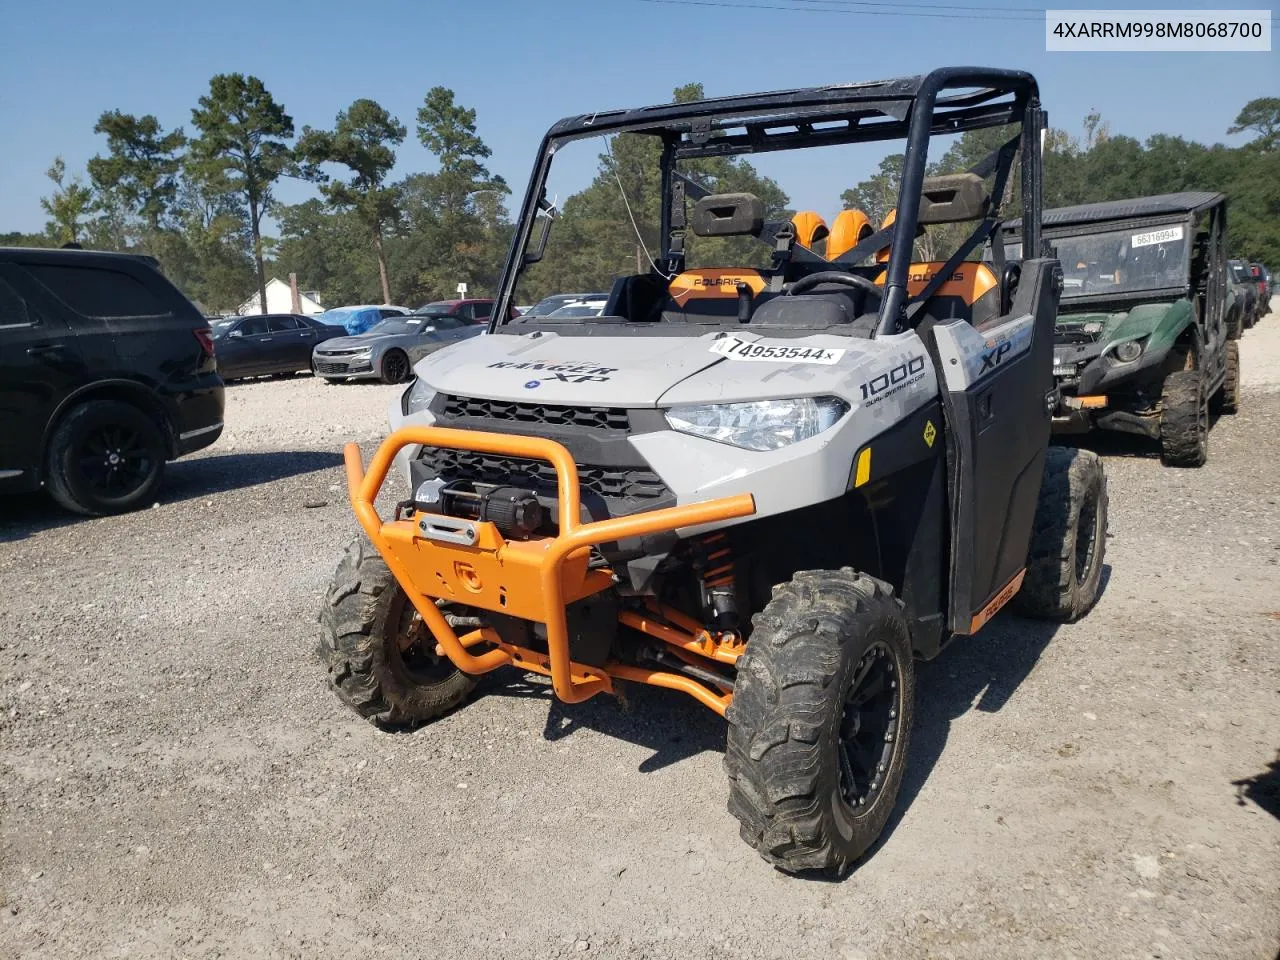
(998, 388)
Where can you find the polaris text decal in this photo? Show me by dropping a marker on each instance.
(890, 382)
(736, 349)
(563, 372)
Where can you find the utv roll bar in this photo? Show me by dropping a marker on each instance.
(914, 108)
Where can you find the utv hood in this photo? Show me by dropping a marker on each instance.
(1141, 321)
(548, 368)
(653, 371)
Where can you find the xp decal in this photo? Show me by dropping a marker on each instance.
(969, 356)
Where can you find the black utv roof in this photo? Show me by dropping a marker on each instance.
(836, 113)
(1166, 204)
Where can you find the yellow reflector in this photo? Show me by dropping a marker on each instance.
(863, 473)
(1092, 403)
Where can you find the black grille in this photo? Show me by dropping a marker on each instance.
(1076, 333)
(330, 367)
(612, 482)
(592, 418)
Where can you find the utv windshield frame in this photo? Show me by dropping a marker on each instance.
(913, 109)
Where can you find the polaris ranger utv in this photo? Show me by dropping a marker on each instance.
(1147, 329)
(768, 487)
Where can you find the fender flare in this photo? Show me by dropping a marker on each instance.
(140, 393)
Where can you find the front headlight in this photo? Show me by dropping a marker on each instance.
(417, 398)
(1128, 351)
(760, 424)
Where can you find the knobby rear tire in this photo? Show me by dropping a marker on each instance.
(1069, 538)
(1184, 420)
(1229, 396)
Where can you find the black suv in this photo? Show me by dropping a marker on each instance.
(106, 372)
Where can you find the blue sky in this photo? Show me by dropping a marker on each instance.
(523, 65)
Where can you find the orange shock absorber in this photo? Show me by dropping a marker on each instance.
(714, 564)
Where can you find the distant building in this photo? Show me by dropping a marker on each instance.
(280, 300)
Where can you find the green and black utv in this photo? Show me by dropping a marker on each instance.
(1143, 339)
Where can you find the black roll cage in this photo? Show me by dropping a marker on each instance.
(913, 108)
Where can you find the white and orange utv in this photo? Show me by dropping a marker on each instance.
(770, 486)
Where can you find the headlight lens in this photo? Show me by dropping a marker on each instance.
(1128, 351)
(417, 398)
(760, 424)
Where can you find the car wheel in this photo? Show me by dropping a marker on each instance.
(395, 367)
(106, 457)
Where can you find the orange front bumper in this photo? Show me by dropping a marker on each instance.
(470, 562)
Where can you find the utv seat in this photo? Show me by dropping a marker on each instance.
(972, 292)
(812, 232)
(710, 294)
(849, 229)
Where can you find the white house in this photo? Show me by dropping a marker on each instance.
(280, 300)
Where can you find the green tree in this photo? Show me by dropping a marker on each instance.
(362, 140)
(451, 202)
(241, 150)
(330, 252)
(207, 254)
(610, 228)
(141, 166)
(16, 238)
(878, 194)
(69, 205)
(1263, 116)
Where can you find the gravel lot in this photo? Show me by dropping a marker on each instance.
(178, 781)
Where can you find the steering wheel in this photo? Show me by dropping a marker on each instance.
(831, 276)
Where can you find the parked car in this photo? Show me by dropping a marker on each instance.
(549, 305)
(475, 310)
(106, 372)
(1244, 298)
(356, 320)
(388, 351)
(258, 345)
(1141, 343)
(587, 306)
(1263, 281)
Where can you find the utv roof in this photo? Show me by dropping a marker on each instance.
(986, 97)
(1164, 204)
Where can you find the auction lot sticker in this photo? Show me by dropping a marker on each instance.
(1165, 235)
(736, 349)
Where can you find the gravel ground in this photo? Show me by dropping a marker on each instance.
(178, 781)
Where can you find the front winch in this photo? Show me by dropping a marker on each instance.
(515, 511)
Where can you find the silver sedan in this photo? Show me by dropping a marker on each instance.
(388, 351)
